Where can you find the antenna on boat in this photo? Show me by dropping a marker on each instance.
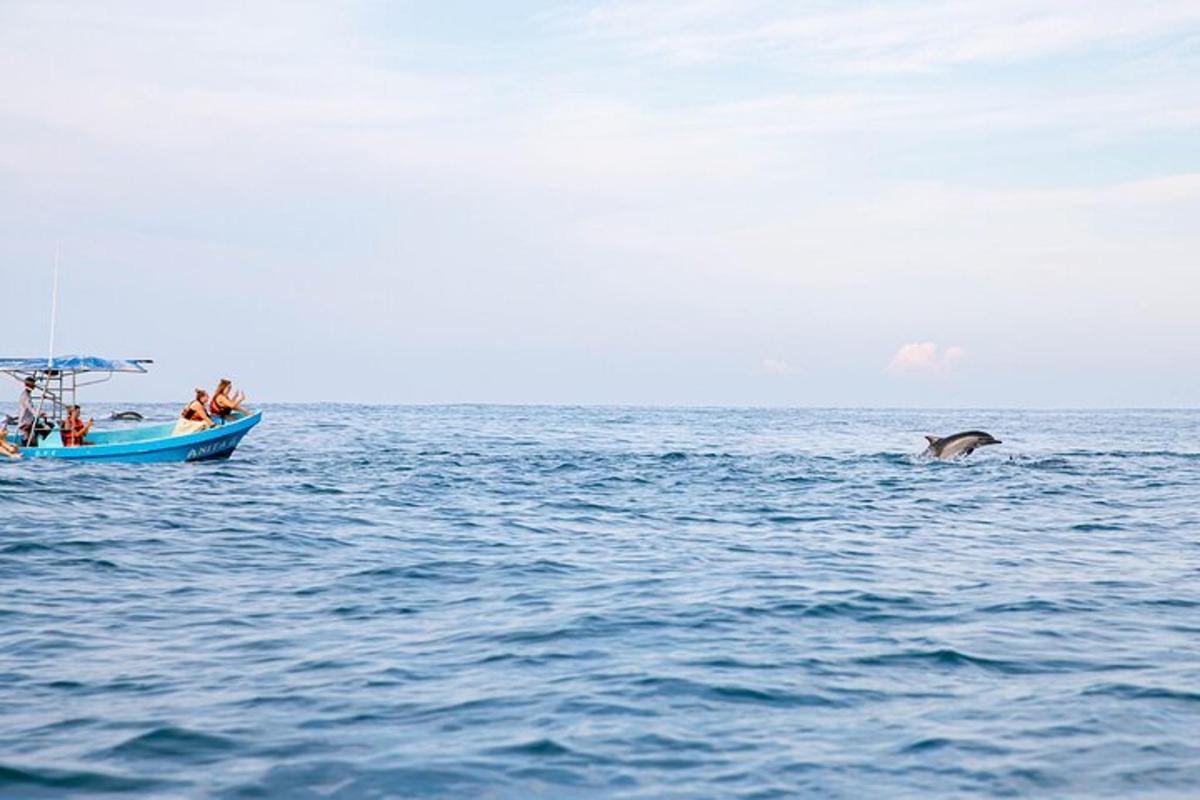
(53, 309)
(33, 428)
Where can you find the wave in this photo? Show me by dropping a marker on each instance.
(724, 693)
(1129, 691)
(174, 743)
(31, 782)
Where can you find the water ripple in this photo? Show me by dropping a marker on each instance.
(567, 602)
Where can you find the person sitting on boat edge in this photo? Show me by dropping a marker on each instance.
(6, 448)
(73, 429)
(224, 404)
(194, 416)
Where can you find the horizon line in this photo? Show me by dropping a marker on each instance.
(675, 406)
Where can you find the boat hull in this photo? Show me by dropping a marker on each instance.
(153, 444)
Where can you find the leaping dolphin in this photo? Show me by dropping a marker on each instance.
(960, 444)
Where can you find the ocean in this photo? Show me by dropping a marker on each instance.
(516, 602)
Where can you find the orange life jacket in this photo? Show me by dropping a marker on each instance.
(218, 410)
(191, 414)
(72, 433)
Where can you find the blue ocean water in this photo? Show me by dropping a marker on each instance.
(513, 602)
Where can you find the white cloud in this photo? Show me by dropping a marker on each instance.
(609, 142)
(882, 37)
(254, 89)
(924, 358)
(776, 366)
(127, 83)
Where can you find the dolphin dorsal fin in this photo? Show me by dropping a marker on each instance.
(932, 439)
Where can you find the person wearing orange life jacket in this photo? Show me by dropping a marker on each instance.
(73, 429)
(223, 404)
(196, 411)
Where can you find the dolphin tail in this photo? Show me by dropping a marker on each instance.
(932, 439)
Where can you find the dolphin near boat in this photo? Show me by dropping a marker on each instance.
(126, 416)
(960, 444)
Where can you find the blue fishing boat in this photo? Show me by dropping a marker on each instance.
(56, 383)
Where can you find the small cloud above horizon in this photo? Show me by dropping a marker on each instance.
(924, 358)
(776, 366)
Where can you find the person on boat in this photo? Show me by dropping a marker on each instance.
(224, 404)
(197, 411)
(6, 448)
(31, 426)
(73, 429)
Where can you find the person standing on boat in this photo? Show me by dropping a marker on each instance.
(73, 429)
(29, 426)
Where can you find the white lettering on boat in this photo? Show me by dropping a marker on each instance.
(209, 449)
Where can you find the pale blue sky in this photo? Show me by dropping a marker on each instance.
(706, 202)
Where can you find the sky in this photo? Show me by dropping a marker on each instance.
(924, 203)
